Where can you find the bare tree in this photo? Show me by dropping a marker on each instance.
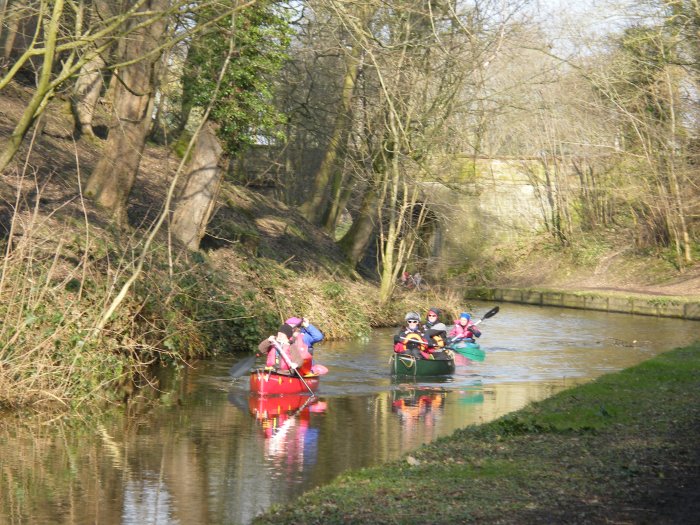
(321, 207)
(199, 194)
(418, 60)
(90, 79)
(644, 85)
(62, 42)
(111, 181)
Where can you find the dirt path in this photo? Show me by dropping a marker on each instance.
(606, 278)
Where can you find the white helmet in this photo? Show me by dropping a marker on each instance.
(412, 316)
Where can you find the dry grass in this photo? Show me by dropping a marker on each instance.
(48, 313)
(58, 275)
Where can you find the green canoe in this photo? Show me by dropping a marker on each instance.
(406, 365)
(469, 350)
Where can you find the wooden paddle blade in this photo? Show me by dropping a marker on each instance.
(242, 367)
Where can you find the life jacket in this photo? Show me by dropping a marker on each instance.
(463, 332)
(299, 352)
(436, 339)
(414, 340)
(408, 340)
(439, 341)
(274, 360)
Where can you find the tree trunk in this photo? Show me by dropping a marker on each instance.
(90, 81)
(196, 203)
(683, 238)
(354, 243)
(43, 90)
(340, 195)
(186, 104)
(113, 178)
(390, 238)
(15, 16)
(5, 33)
(86, 93)
(314, 209)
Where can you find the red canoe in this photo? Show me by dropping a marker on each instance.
(267, 383)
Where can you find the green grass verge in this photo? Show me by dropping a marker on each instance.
(623, 448)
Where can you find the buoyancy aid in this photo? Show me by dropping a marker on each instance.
(299, 352)
(274, 359)
(464, 332)
(436, 339)
(409, 341)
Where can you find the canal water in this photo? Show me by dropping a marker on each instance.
(208, 452)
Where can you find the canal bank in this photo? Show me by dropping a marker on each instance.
(620, 449)
(679, 307)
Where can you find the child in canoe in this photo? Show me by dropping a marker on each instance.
(464, 329)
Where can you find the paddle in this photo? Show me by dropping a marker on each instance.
(242, 367)
(411, 339)
(289, 364)
(493, 311)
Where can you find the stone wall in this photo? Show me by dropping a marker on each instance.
(631, 304)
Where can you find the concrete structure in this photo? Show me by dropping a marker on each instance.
(658, 306)
(482, 203)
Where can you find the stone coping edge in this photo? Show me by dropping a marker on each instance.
(656, 305)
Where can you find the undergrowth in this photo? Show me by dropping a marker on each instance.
(56, 284)
(59, 277)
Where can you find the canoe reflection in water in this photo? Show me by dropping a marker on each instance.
(285, 423)
(418, 406)
(424, 406)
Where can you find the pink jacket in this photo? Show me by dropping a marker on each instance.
(464, 332)
(297, 353)
(274, 359)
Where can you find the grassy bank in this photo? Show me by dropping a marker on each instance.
(622, 449)
(61, 348)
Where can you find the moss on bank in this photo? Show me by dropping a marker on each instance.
(621, 449)
(682, 307)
